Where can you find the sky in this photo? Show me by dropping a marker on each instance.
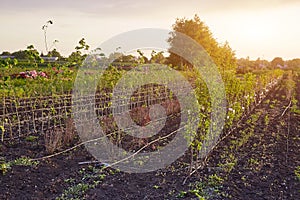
(259, 28)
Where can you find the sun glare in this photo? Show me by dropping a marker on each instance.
(256, 29)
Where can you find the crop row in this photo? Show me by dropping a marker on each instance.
(23, 116)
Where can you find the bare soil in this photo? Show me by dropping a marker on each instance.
(264, 166)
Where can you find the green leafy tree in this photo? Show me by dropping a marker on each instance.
(78, 56)
(222, 55)
(33, 56)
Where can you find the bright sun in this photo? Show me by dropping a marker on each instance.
(256, 29)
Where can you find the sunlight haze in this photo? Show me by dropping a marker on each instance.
(264, 29)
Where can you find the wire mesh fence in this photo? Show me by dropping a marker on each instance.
(21, 117)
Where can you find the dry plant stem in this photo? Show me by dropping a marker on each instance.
(138, 151)
(33, 117)
(288, 131)
(10, 128)
(88, 162)
(69, 132)
(286, 109)
(287, 138)
(2, 135)
(69, 149)
(43, 122)
(18, 117)
(202, 164)
(53, 139)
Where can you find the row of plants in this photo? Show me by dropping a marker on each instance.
(241, 93)
(52, 106)
(230, 154)
(90, 177)
(5, 166)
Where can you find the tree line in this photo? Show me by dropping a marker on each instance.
(222, 54)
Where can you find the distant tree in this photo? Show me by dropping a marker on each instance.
(33, 56)
(21, 54)
(115, 57)
(5, 53)
(222, 55)
(30, 54)
(78, 56)
(246, 65)
(128, 58)
(276, 62)
(82, 45)
(295, 63)
(54, 53)
(120, 57)
(142, 59)
(157, 57)
(255, 64)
